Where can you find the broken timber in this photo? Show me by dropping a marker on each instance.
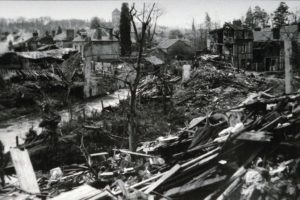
(24, 170)
(162, 179)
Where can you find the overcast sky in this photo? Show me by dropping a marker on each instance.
(177, 13)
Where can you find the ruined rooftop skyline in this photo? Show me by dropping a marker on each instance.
(176, 13)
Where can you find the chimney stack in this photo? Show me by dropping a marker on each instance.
(111, 34)
(237, 23)
(99, 33)
(70, 34)
(35, 34)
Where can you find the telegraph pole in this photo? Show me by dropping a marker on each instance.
(287, 64)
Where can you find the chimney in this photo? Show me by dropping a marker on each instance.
(237, 23)
(111, 34)
(53, 33)
(70, 34)
(35, 34)
(257, 29)
(276, 33)
(99, 33)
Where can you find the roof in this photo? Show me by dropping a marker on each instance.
(289, 29)
(165, 44)
(92, 33)
(267, 33)
(54, 53)
(154, 60)
(80, 38)
(22, 36)
(234, 27)
(31, 39)
(45, 39)
(61, 37)
(70, 66)
(263, 35)
(47, 47)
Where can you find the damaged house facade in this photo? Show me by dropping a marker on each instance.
(268, 48)
(259, 50)
(268, 54)
(34, 65)
(234, 42)
(100, 51)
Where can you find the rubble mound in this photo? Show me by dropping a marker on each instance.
(218, 87)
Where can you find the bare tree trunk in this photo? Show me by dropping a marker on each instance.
(132, 118)
(132, 125)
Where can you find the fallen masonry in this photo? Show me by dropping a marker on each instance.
(250, 151)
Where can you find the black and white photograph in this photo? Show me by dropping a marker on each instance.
(150, 100)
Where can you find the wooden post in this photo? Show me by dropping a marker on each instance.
(102, 104)
(24, 170)
(287, 65)
(17, 141)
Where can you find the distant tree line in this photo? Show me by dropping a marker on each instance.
(44, 24)
(259, 18)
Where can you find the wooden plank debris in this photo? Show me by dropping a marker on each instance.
(194, 186)
(84, 192)
(24, 170)
(259, 136)
(135, 153)
(162, 179)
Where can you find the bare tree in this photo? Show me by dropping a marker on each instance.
(151, 30)
(133, 70)
(144, 18)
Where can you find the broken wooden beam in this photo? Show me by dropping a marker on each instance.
(258, 136)
(162, 179)
(84, 192)
(24, 170)
(181, 190)
(134, 153)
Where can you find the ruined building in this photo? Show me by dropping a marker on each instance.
(268, 50)
(100, 51)
(234, 42)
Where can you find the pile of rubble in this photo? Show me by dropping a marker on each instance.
(248, 152)
(218, 86)
(155, 87)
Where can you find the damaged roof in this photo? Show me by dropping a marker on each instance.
(263, 35)
(92, 33)
(154, 60)
(54, 53)
(165, 44)
(291, 30)
(61, 37)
